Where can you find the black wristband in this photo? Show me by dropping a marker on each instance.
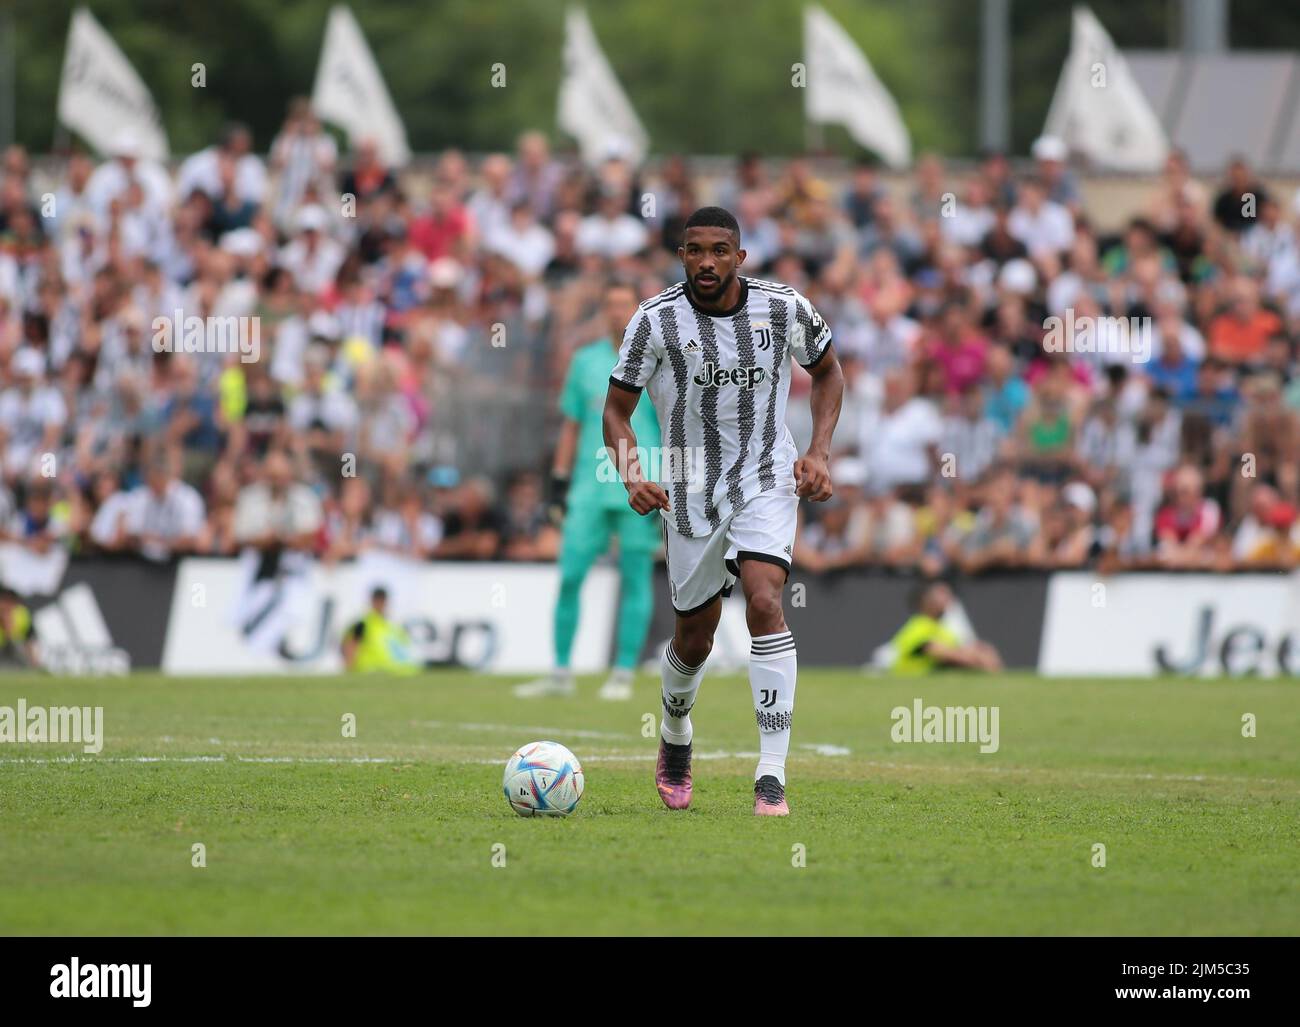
(559, 495)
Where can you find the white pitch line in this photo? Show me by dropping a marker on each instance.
(113, 759)
(647, 757)
(199, 759)
(571, 732)
(598, 758)
(1104, 774)
(638, 757)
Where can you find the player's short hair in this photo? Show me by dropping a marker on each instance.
(713, 217)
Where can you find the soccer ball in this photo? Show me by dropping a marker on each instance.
(543, 779)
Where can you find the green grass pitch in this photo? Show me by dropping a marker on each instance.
(395, 831)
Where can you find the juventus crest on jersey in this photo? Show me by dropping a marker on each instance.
(719, 383)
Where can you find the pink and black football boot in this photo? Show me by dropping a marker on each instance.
(673, 774)
(769, 798)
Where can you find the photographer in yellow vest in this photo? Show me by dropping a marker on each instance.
(376, 644)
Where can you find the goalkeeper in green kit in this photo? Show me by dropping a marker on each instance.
(587, 487)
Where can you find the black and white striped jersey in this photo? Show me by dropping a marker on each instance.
(719, 383)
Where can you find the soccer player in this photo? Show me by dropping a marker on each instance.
(587, 487)
(715, 351)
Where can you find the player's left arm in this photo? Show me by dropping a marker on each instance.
(812, 473)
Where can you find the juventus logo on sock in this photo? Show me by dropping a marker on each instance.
(675, 706)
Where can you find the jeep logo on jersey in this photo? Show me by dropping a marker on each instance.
(746, 377)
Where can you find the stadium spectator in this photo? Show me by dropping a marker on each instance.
(611, 232)
(968, 434)
(1044, 444)
(522, 240)
(312, 257)
(303, 156)
(72, 209)
(901, 443)
(1066, 535)
(959, 351)
(402, 525)
(445, 229)
(276, 514)
(164, 517)
(1042, 226)
(1268, 439)
(203, 171)
(32, 416)
(1107, 443)
(322, 419)
(527, 531)
(368, 176)
(1050, 154)
(107, 530)
(1175, 191)
(217, 538)
(1004, 530)
(837, 538)
(472, 530)
(1237, 203)
(1186, 526)
(40, 524)
(861, 196)
(347, 519)
(1172, 369)
(537, 177)
(114, 180)
(1266, 537)
(1240, 334)
(971, 219)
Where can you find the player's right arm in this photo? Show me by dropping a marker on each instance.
(620, 441)
(638, 360)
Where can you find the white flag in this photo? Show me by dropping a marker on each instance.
(1099, 110)
(102, 99)
(842, 89)
(593, 108)
(350, 92)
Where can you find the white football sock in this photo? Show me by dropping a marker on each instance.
(773, 666)
(680, 683)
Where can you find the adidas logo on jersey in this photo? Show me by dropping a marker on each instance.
(691, 347)
(745, 377)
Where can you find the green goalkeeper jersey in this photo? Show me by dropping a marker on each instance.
(595, 479)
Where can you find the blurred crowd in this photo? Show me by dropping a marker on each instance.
(396, 311)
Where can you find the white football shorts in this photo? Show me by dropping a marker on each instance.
(702, 569)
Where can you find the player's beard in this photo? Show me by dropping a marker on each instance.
(724, 283)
